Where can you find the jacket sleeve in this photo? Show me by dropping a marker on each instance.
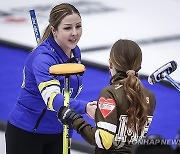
(49, 86)
(106, 123)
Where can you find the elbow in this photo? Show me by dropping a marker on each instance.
(106, 139)
(108, 143)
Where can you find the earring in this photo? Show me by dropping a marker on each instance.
(54, 34)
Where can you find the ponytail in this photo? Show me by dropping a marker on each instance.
(46, 34)
(126, 57)
(137, 112)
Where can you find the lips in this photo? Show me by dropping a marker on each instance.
(73, 40)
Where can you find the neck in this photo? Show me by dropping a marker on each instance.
(67, 51)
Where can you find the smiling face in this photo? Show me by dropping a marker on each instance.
(68, 32)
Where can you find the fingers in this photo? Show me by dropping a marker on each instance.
(93, 103)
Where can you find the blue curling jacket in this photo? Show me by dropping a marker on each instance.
(41, 94)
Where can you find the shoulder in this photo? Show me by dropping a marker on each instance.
(112, 90)
(150, 100)
(44, 53)
(149, 93)
(116, 87)
(44, 47)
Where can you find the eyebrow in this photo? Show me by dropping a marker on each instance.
(71, 24)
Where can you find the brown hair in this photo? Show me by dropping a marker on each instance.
(126, 55)
(57, 14)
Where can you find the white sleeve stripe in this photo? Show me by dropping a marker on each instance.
(98, 140)
(107, 126)
(46, 93)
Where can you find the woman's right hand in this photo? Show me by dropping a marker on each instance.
(91, 109)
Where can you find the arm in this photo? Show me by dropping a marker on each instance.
(106, 117)
(50, 86)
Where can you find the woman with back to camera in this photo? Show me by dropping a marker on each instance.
(33, 126)
(125, 108)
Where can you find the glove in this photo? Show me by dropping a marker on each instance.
(67, 116)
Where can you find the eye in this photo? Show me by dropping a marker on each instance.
(78, 26)
(67, 28)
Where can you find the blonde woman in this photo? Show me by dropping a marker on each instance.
(33, 126)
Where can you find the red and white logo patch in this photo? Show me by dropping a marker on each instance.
(106, 106)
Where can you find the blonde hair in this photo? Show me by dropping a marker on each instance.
(57, 14)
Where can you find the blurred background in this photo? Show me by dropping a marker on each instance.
(154, 25)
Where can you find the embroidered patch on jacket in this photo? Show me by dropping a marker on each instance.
(106, 106)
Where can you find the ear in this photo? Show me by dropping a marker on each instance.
(53, 30)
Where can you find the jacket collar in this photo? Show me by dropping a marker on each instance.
(60, 52)
(118, 77)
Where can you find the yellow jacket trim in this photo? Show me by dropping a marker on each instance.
(107, 138)
(50, 102)
(42, 85)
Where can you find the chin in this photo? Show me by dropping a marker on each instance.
(72, 46)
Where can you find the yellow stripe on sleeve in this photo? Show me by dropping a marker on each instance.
(42, 85)
(107, 138)
(50, 102)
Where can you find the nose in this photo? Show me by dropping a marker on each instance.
(74, 31)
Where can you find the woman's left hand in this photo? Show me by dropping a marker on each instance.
(91, 109)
